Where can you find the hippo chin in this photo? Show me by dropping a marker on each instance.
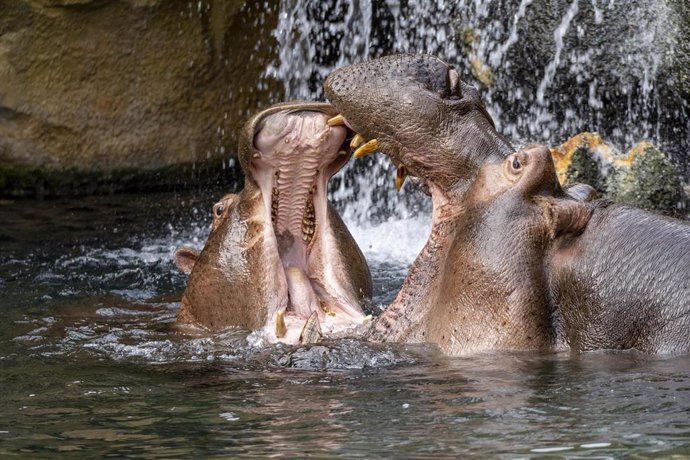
(513, 260)
(279, 259)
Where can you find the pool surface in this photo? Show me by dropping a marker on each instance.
(91, 365)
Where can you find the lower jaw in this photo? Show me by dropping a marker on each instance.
(401, 319)
(306, 312)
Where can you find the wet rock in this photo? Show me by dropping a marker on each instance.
(644, 177)
(584, 158)
(550, 68)
(101, 85)
(647, 179)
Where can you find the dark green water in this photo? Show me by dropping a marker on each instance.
(90, 365)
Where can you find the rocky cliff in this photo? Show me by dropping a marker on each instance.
(101, 85)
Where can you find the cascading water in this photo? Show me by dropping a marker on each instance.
(316, 37)
(547, 70)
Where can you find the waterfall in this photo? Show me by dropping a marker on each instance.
(547, 69)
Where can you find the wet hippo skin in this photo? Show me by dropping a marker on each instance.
(513, 260)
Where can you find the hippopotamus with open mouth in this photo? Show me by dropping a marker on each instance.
(279, 259)
(513, 260)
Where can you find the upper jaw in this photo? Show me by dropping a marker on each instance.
(251, 127)
(361, 145)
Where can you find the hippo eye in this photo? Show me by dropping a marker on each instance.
(218, 210)
(516, 163)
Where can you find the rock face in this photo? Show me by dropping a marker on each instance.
(644, 177)
(100, 85)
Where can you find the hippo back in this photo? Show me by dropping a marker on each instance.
(624, 282)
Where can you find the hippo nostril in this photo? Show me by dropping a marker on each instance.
(516, 163)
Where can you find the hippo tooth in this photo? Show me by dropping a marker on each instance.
(311, 331)
(400, 176)
(366, 319)
(366, 149)
(337, 120)
(281, 329)
(356, 141)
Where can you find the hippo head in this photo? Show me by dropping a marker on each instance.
(416, 109)
(489, 202)
(278, 257)
(529, 177)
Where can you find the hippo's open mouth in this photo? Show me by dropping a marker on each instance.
(295, 153)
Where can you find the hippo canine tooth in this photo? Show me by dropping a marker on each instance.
(311, 331)
(366, 149)
(356, 141)
(400, 176)
(281, 329)
(337, 120)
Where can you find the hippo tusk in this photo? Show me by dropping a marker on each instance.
(356, 141)
(281, 329)
(366, 149)
(400, 176)
(311, 331)
(337, 120)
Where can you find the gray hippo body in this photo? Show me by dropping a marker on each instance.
(624, 282)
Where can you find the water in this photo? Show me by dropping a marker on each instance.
(91, 366)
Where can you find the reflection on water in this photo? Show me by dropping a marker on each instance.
(90, 362)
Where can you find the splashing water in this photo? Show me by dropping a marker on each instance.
(89, 289)
(313, 40)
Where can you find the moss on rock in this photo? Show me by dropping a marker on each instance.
(644, 177)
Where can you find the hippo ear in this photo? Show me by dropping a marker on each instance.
(564, 215)
(185, 258)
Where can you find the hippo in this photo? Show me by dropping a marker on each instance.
(514, 261)
(279, 259)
